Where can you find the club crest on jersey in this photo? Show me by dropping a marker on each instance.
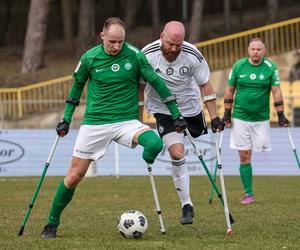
(183, 70)
(128, 66)
(252, 76)
(115, 67)
(161, 129)
(169, 71)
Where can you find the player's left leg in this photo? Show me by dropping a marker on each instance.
(246, 176)
(180, 175)
(132, 133)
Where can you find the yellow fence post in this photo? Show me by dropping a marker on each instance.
(20, 104)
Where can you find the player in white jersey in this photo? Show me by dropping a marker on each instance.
(186, 73)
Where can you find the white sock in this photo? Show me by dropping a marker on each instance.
(181, 180)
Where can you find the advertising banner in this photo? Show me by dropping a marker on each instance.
(25, 152)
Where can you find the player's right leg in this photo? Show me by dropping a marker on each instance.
(91, 144)
(241, 140)
(64, 194)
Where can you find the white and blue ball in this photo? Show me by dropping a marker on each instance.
(132, 224)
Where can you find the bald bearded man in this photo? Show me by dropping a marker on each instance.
(185, 71)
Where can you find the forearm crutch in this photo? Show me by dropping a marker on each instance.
(293, 147)
(38, 186)
(197, 151)
(215, 172)
(226, 210)
(158, 211)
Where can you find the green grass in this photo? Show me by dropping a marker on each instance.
(89, 222)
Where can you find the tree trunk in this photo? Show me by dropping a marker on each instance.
(67, 23)
(130, 13)
(155, 19)
(272, 8)
(227, 15)
(86, 34)
(195, 23)
(35, 35)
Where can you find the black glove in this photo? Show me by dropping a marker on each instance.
(227, 117)
(180, 124)
(62, 128)
(282, 121)
(217, 124)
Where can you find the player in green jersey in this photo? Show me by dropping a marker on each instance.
(112, 70)
(251, 80)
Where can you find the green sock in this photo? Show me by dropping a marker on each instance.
(62, 197)
(246, 177)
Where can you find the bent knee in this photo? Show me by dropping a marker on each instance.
(177, 151)
(72, 179)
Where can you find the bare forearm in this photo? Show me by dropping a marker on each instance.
(212, 109)
(228, 97)
(278, 99)
(209, 99)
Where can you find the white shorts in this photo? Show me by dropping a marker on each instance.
(93, 140)
(250, 135)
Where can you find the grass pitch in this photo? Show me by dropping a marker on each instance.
(90, 220)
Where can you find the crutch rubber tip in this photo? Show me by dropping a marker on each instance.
(229, 231)
(21, 231)
(163, 232)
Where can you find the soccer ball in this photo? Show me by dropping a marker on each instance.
(132, 224)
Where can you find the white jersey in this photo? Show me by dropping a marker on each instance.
(182, 76)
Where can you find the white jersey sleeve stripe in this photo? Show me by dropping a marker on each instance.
(146, 49)
(150, 50)
(193, 52)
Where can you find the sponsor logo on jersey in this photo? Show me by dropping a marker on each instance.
(84, 152)
(261, 76)
(252, 76)
(99, 70)
(183, 70)
(243, 76)
(115, 67)
(128, 66)
(169, 71)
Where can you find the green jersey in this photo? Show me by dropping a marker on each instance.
(253, 86)
(112, 94)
